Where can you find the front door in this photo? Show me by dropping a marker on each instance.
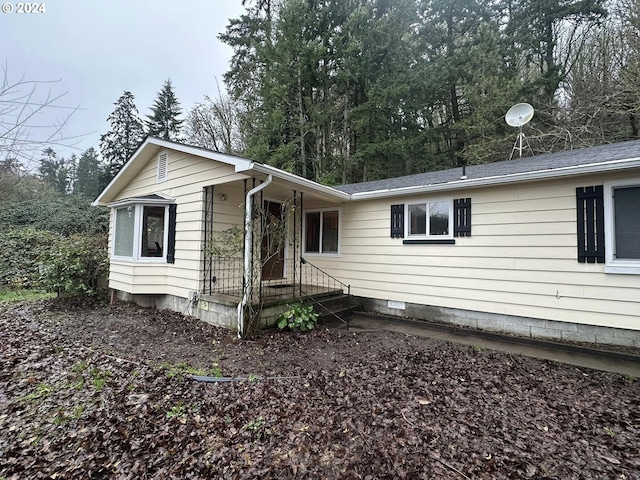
(273, 241)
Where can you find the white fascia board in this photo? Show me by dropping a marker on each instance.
(98, 201)
(551, 173)
(303, 182)
(240, 163)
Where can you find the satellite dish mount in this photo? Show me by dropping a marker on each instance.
(518, 116)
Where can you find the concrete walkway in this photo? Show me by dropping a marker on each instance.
(594, 358)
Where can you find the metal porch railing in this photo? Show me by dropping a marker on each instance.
(294, 279)
(312, 275)
(224, 275)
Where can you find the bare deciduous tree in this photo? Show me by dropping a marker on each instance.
(214, 124)
(32, 117)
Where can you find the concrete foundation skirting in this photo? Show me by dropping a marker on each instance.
(221, 314)
(523, 326)
(215, 310)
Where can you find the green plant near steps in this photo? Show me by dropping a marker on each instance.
(298, 317)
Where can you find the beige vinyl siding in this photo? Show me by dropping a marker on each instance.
(187, 177)
(520, 260)
(228, 213)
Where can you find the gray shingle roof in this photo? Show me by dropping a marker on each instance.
(568, 158)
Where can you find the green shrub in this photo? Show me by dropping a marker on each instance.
(76, 266)
(298, 317)
(22, 253)
(63, 214)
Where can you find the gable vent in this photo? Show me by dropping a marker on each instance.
(163, 167)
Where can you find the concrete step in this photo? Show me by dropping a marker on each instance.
(339, 307)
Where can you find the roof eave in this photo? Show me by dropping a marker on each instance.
(546, 174)
(302, 182)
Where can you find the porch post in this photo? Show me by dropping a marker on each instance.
(295, 257)
(248, 252)
(207, 258)
(301, 236)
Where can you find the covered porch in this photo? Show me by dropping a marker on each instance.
(253, 255)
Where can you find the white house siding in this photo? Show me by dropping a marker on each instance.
(521, 259)
(187, 177)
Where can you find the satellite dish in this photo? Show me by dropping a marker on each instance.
(517, 116)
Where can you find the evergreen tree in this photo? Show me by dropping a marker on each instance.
(71, 167)
(125, 136)
(164, 121)
(54, 171)
(349, 90)
(536, 29)
(88, 174)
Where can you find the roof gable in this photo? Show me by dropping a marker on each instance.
(152, 145)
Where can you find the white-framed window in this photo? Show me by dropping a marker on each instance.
(322, 231)
(430, 219)
(141, 232)
(622, 226)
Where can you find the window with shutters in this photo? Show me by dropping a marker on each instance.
(431, 222)
(622, 226)
(144, 233)
(431, 219)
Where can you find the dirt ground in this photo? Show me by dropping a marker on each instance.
(96, 391)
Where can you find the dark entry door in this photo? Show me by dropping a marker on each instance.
(273, 241)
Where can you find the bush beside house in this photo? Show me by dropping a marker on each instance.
(53, 242)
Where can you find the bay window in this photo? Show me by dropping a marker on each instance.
(142, 232)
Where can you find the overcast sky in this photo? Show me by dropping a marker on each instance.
(98, 49)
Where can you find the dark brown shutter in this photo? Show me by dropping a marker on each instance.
(171, 247)
(397, 221)
(462, 217)
(590, 209)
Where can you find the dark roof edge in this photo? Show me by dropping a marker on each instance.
(608, 166)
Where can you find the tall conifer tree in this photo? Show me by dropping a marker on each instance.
(165, 121)
(88, 174)
(125, 136)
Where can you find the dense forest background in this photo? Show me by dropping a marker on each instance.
(352, 90)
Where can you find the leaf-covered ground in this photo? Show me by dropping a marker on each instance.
(103, 392)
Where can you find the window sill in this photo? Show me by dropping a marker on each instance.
(623, 269)
(442, 241)
(145, 261)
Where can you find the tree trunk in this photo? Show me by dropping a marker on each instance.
(303, 148)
